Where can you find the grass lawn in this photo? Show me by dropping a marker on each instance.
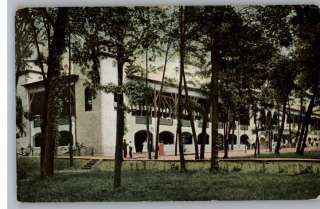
(161, 181)
(311, 155)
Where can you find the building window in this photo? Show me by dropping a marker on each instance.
(37, 140)
(88, 99)
(186, 138)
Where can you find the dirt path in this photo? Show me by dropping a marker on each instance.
(232, 154)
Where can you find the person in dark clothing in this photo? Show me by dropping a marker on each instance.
(125, 148)
(130, 148)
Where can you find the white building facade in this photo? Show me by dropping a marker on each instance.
(94, 119)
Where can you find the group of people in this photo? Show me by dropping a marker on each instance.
(124, 147)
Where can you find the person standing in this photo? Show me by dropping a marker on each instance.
(125, 148)
(130, 148)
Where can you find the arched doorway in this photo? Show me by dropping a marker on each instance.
(65, 138)
(140, 138)
(166, 137)
(244, 139)
(206, 138)
(187, 138)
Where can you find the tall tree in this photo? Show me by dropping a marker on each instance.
(70, 99)
(122, 41)
(46, 27)
(282, 81)
(152, 23)
(53, 89)
(306, 23)
(24, 41)
(179, 115)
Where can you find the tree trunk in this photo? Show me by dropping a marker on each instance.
(305, 126)
(232, 127)
(182, 42)
(280, 130)
(70, 105)
(304, 139)
(270, 139)
(215, 64)
(43, 128)
(176, 142)
(159, 101)
(191, 118)
(225, 139)
(46, 93)
(54, 91)
(204, 129)
(120, 128)
(300, 127)
(300, 139)
(289, 116)
(147, 111)
(257, 143)
(231, 124)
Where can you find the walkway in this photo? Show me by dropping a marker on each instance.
(234, 155)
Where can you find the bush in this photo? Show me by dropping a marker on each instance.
(236, 168)
(306, 170)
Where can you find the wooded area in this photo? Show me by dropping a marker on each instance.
(257, 57)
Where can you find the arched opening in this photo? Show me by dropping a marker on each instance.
(244, 139)
(37, 140)
(187, 138)
(232, 139)
(166, 137)
(140, 139)
(200, 138)
(314, 141)
(65, 138)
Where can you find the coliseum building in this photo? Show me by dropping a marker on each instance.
(94, 117)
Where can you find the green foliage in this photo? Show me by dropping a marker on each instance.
(137, 92)
(236, 169)
(19, 118)
(274, 19)
(23, 41)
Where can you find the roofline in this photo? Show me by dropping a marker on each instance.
(165, 83)
(41, 82)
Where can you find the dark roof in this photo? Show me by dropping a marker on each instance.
(40, 83)
(165, 83)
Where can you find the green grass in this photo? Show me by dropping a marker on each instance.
(162, 181)
(307, 155)
(160, 186)
(289, 168)
(30, 166)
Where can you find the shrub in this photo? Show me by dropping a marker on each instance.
(236, 168)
